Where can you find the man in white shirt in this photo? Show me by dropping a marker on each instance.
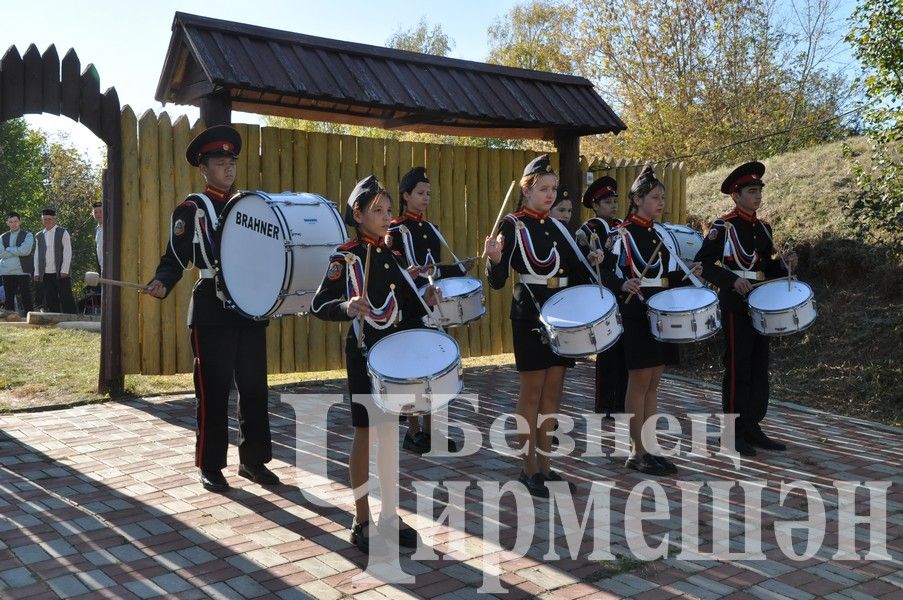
(98, 234)
(53, 259)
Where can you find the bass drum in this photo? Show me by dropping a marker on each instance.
(273, 250)
(687, 239)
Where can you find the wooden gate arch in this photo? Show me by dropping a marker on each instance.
(36, 83)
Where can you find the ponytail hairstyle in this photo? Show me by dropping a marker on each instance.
(644, 183)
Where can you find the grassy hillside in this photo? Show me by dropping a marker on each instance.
(849, 362)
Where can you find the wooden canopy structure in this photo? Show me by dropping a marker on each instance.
(220, 65)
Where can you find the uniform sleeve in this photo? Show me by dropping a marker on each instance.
(498, 274)
(180, 250)
(711, 255)
(331, 298)
(610, 279)
(772, 266)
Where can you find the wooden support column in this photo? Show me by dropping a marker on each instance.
(568, 146)
(216, 108)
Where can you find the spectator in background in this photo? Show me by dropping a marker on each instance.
(98, 235)
(52, 264)
(16, 264)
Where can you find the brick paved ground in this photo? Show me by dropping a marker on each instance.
(102, 501)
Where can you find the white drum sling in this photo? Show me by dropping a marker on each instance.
(777, 308)
(273, 251)
(414, 372)
(684, 315)
(581, 320)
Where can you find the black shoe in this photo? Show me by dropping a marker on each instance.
(360, 535)
(258, 474)
(743, 447)
(213, 480)
(536, 484)
(608, 417)
(760, 440)
(645, 464)
(669, 466)
(418, 443)
(407, 537)
(555, 476)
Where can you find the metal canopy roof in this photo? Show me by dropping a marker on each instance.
(274, 72)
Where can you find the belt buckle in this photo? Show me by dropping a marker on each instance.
(664, 283)
(552, 282)
(760, 275)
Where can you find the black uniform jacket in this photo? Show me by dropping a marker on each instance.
(205, 308)
(393, 301)
(601, 227)
(738, 241)
(418, 242)
(533, 239)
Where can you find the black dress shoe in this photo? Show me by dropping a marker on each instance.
(258, 474)
(213, 480)
(743, 447)
(669, 466)
(536, 484)
(555, 476)
(760, 440)
(360, 535)
(645, 464)
(407, 537)
(418, 442)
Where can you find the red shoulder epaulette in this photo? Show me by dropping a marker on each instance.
(729, 215)
(398, 220)
(348, 245)
(187, 202)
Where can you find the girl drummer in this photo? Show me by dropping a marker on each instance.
(546, 259)
(381, 299)
(631, 251)
(420, 243)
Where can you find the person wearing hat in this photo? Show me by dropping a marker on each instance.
(389, 304)
(562, 207)
(601, 197)
(737, 252)
(631, 251)
(544, 255)
(227, 346)
(17, 264)
(420, 244)
(53, 260)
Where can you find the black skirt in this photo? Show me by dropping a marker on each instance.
(530, 353)
(641, 350)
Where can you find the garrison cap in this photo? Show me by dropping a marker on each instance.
(561, 196)
(604, 187)
(410, 180)
(361, 196)
(220, 140)
(539, 166)
(743, 176)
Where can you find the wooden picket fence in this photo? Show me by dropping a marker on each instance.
(468, 185)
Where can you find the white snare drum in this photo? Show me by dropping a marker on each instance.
(579, 322)
(273, 250)
(462, 302)
(414, 372)
(779, 309)
(685, 314)
(688, 240)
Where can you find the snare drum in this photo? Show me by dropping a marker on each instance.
(273, 250)
(779, 309)
(683, 315)
(687, 239)
(462, 302)
(578, 322)
(414, 372)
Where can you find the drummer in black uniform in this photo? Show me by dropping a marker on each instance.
(611, 369)
(737, 252)
(420, 244)
(632, 249)
(546, 258)
(227, 347)
(389, 304)
(562, 207)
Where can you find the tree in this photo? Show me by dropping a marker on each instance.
(421, 38)
(23, 171)
(534, 36)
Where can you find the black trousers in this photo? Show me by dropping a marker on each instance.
(611, 380)
(223, 354)
(744, 389)
(21, 285)
(58, 293)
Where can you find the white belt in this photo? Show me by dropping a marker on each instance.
(554, 282)
(653, 282)
(754, 275)
(207, 273)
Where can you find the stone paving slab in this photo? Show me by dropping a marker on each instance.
(102, 502)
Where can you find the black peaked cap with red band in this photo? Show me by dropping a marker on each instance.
(604, 187)
(220, 140)
(743, 176)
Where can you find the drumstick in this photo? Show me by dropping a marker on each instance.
(93, 279)
(501, 212)
(646, 268)
(360, 339)
(594, 242)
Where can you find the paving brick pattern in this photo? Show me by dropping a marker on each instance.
(102, 502)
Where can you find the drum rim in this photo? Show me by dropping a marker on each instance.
(605, 291)
(791, 332)
(377, 401)
(614, 309)
(585, 354)
(445, 370)
(810, 298)
(473, 292)
(702, 289)
(280, 298)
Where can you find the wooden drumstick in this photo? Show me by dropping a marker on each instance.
(360, 338)
(593, 244)
(93, 279)
(501, 212)
(646, 268)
